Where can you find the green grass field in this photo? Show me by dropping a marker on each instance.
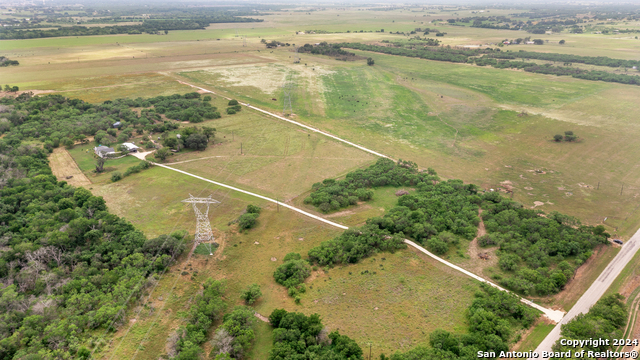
(407, 286)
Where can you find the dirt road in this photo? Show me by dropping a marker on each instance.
(554, 315)
(596, 290)
(298, 124)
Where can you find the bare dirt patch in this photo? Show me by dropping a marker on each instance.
(476, 264)
(65, 168)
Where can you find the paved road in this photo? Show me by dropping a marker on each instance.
(596, 290)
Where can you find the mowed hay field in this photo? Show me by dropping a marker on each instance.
(66, 169)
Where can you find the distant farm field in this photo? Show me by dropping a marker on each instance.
(487, 126)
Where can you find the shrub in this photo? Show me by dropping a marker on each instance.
(233, 102)
(116, 176)
(251, 294)
(437, 246)
(509, 262)
(448, 238)
(252, 209)
(487, 240)
(292, 273)
(247, 221)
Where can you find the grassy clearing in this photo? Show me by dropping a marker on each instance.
(629, 279)
(278, 159)
(84, 157)
(535, 337)
(412, 295)
(408, 287)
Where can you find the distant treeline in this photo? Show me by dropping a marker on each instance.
(487, 57)
(329, 50)
(6, 62)
(567, 58)
(149, 26)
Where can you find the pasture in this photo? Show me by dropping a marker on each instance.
(487, 126)
(405, 286)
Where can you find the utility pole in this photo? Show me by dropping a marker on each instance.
(232, 136)
(240, 148)
(622, 188)
(369, 351)
(598, 186)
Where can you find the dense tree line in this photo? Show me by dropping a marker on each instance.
(333, 194)
(492, 318)
(567, 58)
(234, 337)
(605, 320)
(448, 206)
(355, 244)
(7, 62)
(68, 266)
(440, 54)
(325, 49)
(185, 108)
(478, 56)
(53, 118)
(540, 253)
(148, 26)
(297, 336)
(207, 307)
(191, 138)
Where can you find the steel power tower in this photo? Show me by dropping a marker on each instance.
(296, 58)
(244, 40)
(203, 226)
(287, 88)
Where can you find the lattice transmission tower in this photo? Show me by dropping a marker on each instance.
(203, 226)
(296, 57)
(288, 89)
(244, 40)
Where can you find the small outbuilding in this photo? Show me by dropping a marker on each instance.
(130, 147)
(116, 124)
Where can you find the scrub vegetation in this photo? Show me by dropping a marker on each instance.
(452, 89)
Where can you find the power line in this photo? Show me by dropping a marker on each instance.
(288, 89)
(262, 144)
